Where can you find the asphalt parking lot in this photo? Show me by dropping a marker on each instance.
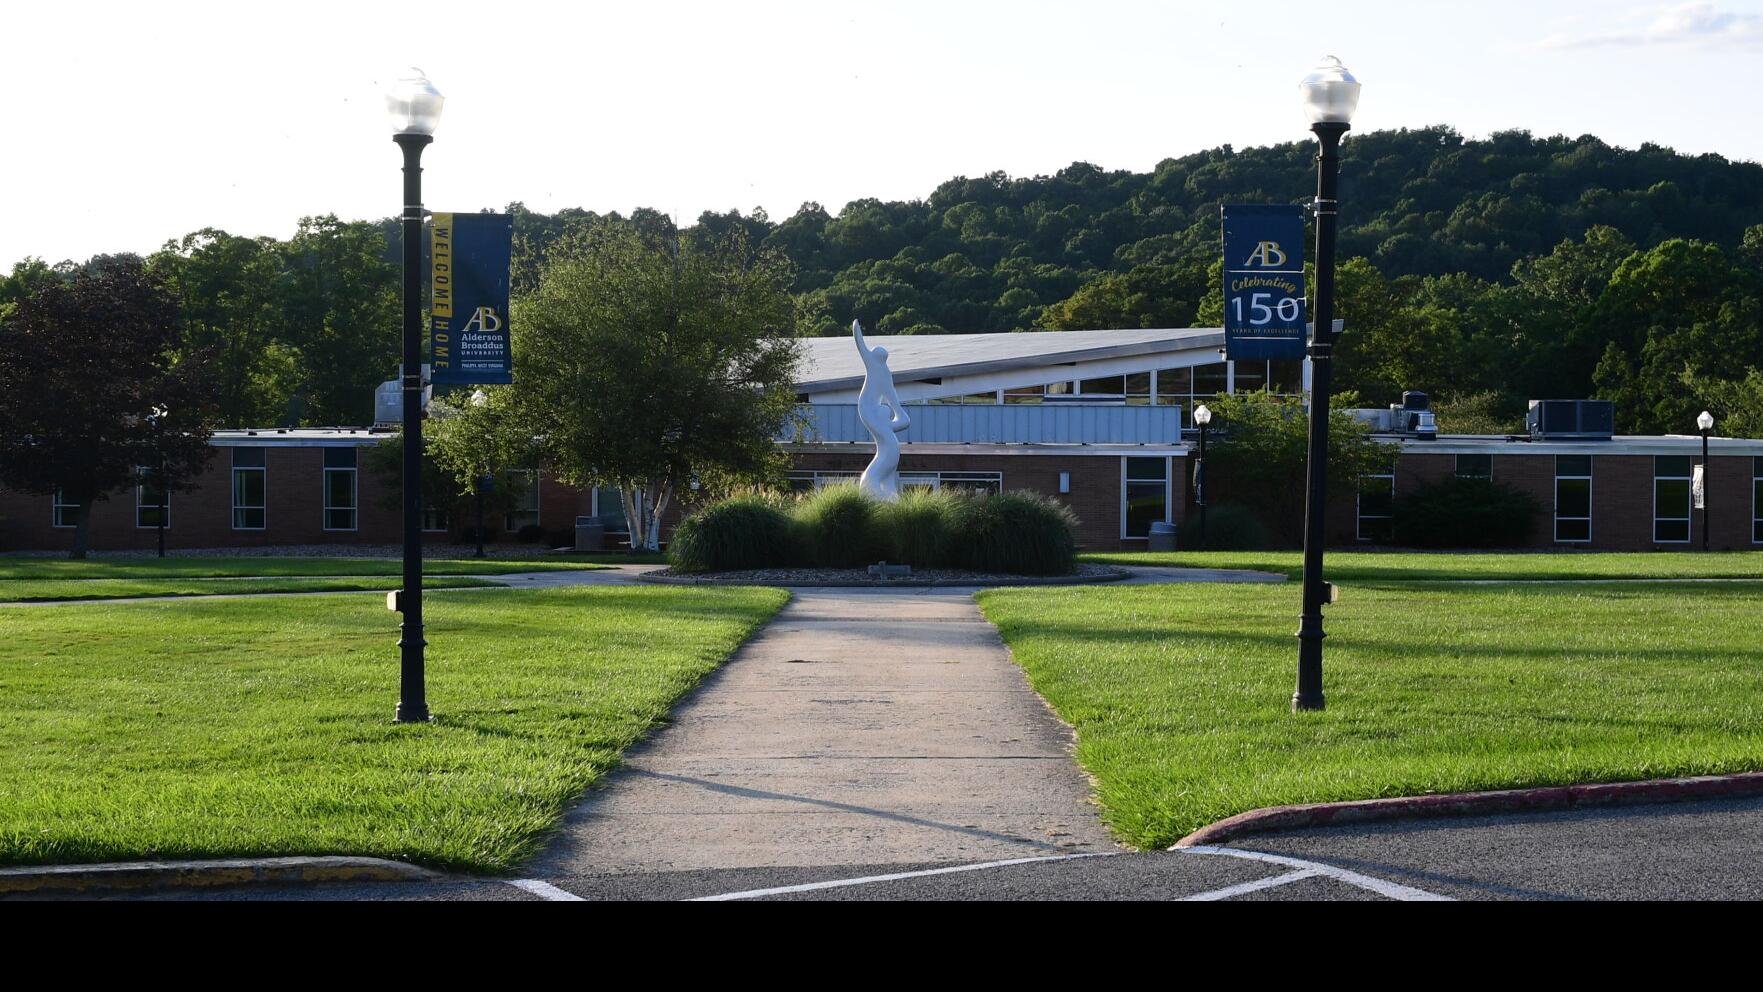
(1709, 850)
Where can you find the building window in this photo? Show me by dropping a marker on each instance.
(523, 485)
(1573, 498)
(973, 482)
(434, 518)
(1285, 376)
(1138, 389)
(1757, 501)
(63, 513)
(248, 488)
(1189, 387)
(1377, 497)
(971, 399)
(1144, 495)
(339, 489)
(151, 499)
(1475, 467)
(1109, 388)
(1671, 499)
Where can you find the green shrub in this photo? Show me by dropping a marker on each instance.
(1464, 513)
(1017, 533)
(1229, 527)
(744, 532)
(839, 527)
(918, 528)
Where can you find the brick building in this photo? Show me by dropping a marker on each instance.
(1100, 420)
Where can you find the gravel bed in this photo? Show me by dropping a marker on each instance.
(860, 577)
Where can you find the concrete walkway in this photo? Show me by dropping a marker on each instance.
(861, 727)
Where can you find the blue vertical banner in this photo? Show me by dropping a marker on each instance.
(1264, 281)
(468, 305)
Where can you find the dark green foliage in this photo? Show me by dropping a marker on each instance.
(1260, 457)
(1464, 513)
(840, 526)
(1229, 527)
(744, 532)
(1016, 534)
(918, 529)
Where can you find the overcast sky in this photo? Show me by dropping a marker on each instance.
(127, 124)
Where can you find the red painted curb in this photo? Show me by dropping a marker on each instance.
(1274, 818)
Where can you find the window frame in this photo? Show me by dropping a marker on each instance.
(141, 474)
(1590, 468)
(354, 506)
(530, 491)
(1457, 469)
(1359, 514)
(1689, 500)
(262, 471)
(56, 505)
(1756, 499)
(1126, 481)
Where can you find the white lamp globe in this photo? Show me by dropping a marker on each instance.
(413, 104)
(1202, 415)
(1330, 93)
(1705, 421)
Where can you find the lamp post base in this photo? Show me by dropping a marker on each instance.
(411, 715)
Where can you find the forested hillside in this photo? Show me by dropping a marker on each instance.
(1486, 271)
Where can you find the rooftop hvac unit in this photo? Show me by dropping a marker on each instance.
(1584, 420)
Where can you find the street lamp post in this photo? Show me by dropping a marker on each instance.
(1330, 96)
(1706, 423)
(481, 399)
(158, 418)
(1203, 417)
(415, 109)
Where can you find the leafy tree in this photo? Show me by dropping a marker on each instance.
(85, 361)
(27, 275)
(648, 360)
(233, 308)
(340, 296)
(1260, 455)
(1486, 412)
(1737, 404)
(474, 446)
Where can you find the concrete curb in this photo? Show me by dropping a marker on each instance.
(1025, 580)
(1547, 798)
(138, 876)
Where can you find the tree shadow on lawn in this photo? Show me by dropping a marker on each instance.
(1349, 640)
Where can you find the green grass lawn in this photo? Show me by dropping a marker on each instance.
(24, 591)
(1181, 694)
(14, 568)
(211, 728)
(1407, 566)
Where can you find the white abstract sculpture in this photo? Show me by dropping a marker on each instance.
(878, 406)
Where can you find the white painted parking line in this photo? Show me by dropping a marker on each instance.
(1246, 887)
(1390, 890)
(872, 879)
(545, 890)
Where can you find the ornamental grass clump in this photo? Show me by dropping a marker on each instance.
(1017, 534)
(840, 527)
(744, 532)
(918, 529)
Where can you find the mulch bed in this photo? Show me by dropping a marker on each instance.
(1085, 573)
